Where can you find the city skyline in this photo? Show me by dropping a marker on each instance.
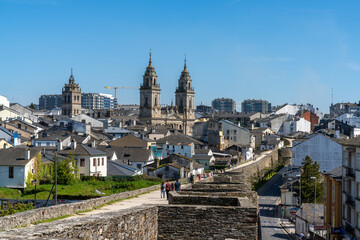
(281, 52)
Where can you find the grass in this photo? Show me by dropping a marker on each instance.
(267, 175)
(51, 219)
(81, 189)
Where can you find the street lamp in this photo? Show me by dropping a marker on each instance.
(290, 179)
(35, 182)
(314, 205)
(299, 176)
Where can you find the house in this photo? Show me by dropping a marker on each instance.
(175, 167)
(338, 127)
(135, 157)
(235, 134)
(326, 151)
(290, 109)
(15, 166)
(52, 140)
(304, 219)
(349, 119)
(88, 120)
(7, 113)
(5, 144)
(116, 168)
(90, 161)
(6, 135)
(205, 157)
(118, 132)
(158, 132)
(333, 203)
(312, 118)
(179, 143)
(295, 125)
(24, 111)
(271, 142)
(259, 134)
(131, 141)
(274, 122)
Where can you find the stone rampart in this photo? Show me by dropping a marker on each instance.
(255, 168)
(207, 222)
(135, 223)
(28, 217)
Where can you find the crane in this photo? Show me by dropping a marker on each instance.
(116, 88)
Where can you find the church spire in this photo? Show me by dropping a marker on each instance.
(185, 62)
(150, 62)
(71, 78)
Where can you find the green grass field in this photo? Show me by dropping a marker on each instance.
(80, 189)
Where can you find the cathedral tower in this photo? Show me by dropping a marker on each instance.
(71, 98)
(184, 100)
(184, 94)
(150, 95)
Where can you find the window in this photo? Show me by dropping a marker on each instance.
(82, 162)
(138, 166)
(182, 147)
(102, 161)
(11, 172)
(19, 126)
(98, 161)
(47, 144)
(94, 162)
(234, 132)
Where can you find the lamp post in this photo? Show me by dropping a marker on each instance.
(299, 176)
(314, 205)
(35, 182)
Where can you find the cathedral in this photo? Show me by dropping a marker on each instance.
(181, 116)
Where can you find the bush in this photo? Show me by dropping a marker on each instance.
(10, 208)
(67, 171)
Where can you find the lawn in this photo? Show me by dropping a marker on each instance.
(82, 189)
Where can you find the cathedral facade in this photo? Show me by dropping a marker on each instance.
(181, 116)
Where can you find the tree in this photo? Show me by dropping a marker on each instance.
(310, 169)
(67, 171)
(32, 106)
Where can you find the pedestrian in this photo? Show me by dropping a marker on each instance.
(167, 188)
(177, 186)
(191, 178)
(172, 187)
(199, 177)
(162, 190)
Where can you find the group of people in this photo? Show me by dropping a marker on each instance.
(167, 187)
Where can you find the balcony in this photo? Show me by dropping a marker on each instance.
(350, 172)
(350, 201)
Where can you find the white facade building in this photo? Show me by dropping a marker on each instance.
(324, 150)
(292, 126)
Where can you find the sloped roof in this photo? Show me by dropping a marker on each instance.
(306, 212)
(82, 149)
(129, 141)
(336, 172)
(178, 139)
(16, 156)
(115, 168)
(202, 151)
(131, 154)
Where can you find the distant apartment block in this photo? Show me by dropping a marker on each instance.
(49, 102)
(97, 101)
(88, 100)
(338, 109)
(203, 109)
(249, 106)
(224, 104)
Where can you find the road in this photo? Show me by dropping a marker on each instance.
(269, 196)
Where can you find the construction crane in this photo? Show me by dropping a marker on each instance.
(116, 88)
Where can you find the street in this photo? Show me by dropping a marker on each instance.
(269, 196)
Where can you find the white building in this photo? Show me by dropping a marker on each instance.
(296, 125)
(237, 135)
(324, 150)
(4, 101)
(15, 166)
(290, 109)
(88, 120)
(349, 119)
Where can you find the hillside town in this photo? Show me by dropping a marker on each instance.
(179, 141)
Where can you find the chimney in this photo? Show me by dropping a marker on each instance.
(27, 154)
(93, 144)
(59, 145)
(73, 144)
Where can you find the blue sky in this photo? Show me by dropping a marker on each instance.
(281, 51)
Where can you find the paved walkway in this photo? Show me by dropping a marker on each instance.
(147, 198)
(288, 227)
(251, 161)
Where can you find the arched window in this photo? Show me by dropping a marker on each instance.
(182, 85)
(181, 103)
(74, 98)
(78, 98)
(154, 81)
(189, 85)
(190, 103)
(69, 99)
(155, 101)
(146, 101)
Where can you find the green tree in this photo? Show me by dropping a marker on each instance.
(32, 106)
(310, 168)
(67, 171)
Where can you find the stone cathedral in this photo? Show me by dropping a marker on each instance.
(181, 116)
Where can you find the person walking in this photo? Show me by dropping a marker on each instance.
(191, 178)
(172, 187)
(167, 188)
(177, 186)
(162, 190)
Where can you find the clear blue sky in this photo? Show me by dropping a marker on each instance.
(281, 51)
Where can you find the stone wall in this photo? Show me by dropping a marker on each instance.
(206, 222)
(28, 217)
(255, 168)
(134, 223)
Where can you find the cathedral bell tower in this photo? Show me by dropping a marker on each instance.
(71, 98)
(184, 94)
(184, 101)
(150, 94)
